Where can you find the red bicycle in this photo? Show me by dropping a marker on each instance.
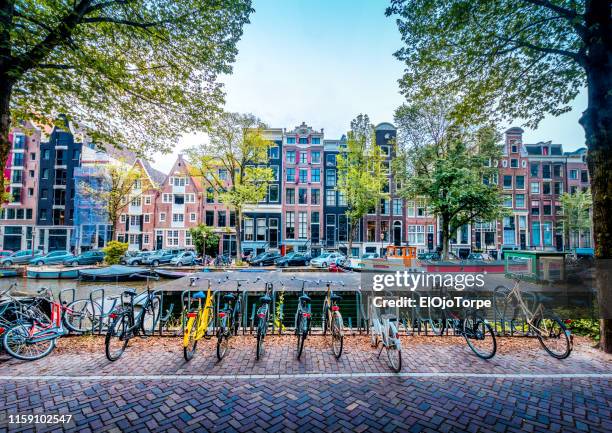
(33, 337)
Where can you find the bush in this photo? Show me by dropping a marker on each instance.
(114, 250)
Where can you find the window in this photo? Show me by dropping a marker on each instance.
(303, 157)
(520, 182)
(584, 176)
(315, 155)
(330, 159)
(547, 208)
(46, 154)
(162, 217)
(558, 188)
(179, 181)
(546, 188)
(507, 181)
(410, 208)
(315, 175)
(303, 175)
(291, 156)
(342, 199)
(273, 193)
(221, 218)
(514, 148)
(122, 218)
(421, 207)
(556, 170)
(508, 200)
(173, 238)
(166, 198)
(290, 225)
(210, 195)
(18, 159)
(177, 217)
(232, 219)
(397, 206)
(136, 201)
(303, 140)
(416, 235)
(302, 225)
(43, 214)
(31, 173)
(535, 208)
(371, 231)
(274, 172)
(261, 229)
(546, 171)
(210, 218)
(547, 229)
(384, 206)
(146, 218)
(147, 199)
(534, 169)
(145, 239)
(45, 173)
(248, 229)
(274, 152)
(290, 140)
(315, 196)
(514, 163)
(290, 175)
(330, 177)
(535, 188)
(290, 196)
(520, 200)
(573, 174)
(316, 140)
(330, 197)
(192, 217)
(302, 196)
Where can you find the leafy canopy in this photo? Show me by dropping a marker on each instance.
(576, 210)
(203, 237)
(132, 72)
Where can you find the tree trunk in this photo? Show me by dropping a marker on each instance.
(597, 123)
(238, 235)
(5, 125)
(445, 237)
(350, 242)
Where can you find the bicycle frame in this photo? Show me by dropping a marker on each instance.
(204, 316)
(530, 316)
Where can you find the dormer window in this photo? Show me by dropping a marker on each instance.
(514, 148)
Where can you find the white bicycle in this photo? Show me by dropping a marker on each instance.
(384, 332)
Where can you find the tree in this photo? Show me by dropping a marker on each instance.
(132, 73)
(448, 165)
(120, 183)
(231, 163)
(576, 215)
(113, 251)
(521, 59)
(203, 237)
(361, 178)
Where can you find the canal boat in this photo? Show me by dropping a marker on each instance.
(396, 258)
(116, 273)
(52, 273)
(9, 272)
(165, 273)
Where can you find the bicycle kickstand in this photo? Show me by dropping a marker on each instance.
(382, 346)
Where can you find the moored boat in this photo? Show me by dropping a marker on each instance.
(52, 273)
(116, 273)
(9, 272)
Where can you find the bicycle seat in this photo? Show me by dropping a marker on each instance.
(228, 297)
(335, 297)
(130, 292)
(265, 299)
(199, 295)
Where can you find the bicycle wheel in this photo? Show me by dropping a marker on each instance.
(394, 349)
(189, 340)
(222, 343)
(80, 316)
(553, 336)
(19, 345)
(150, 316)
(260, 340)
(337, 337)
(117, 337)
(480, 337)
(302, 331)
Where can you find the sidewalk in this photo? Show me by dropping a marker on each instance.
(444, 387)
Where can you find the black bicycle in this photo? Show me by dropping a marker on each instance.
(477, 332)
(263, 318)
(137, 317)
(303, 316)
(230, 317)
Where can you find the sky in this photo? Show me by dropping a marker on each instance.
(323, 62)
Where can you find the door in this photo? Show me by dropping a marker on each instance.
(159, 242)
(273, 232)
(397, 233)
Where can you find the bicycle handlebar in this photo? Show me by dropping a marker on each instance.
(293, 278)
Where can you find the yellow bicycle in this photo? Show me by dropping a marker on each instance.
(199, 322)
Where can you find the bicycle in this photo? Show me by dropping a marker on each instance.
(303, 316)
(332, 319)
(33, 336)
(477, 332)
(230, 317)
(263, 318)
(91, 314)
(200, 322)
(385, 332)
(127, 324)
(549, 329)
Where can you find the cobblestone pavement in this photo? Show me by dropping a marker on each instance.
(443, 388)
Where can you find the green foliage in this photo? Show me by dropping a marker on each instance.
(448, 165)
(203, 237)
(237, 147)
(506, 58)
(576, 212)
(278, 312)
(361, 175)
(131, 73)
(114, 250)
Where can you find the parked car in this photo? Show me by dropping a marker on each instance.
(429, 256)
(128, 255)
(186, 258)
(21, 256)
(87, 258)
(265, 259)
(160, 256)
(52, 258)
(5, 253)
(370, 256)
(293, 259)
(137, 259)
(479, 256)
(325, 259)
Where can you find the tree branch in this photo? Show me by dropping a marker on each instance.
(568, 14)
(123, 22)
